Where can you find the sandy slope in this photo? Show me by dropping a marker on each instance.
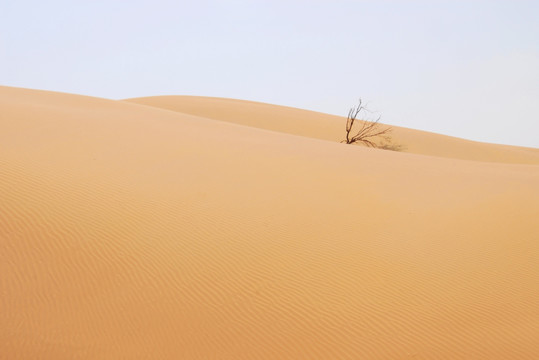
(329, 127)
(128, 231)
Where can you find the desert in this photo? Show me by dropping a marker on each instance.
(184, 227)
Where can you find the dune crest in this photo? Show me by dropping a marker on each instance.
(329, 127)
(133, 231)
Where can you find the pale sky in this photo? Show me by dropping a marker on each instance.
(462, 68)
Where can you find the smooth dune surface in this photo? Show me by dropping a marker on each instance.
(203, 228)
(329, 127)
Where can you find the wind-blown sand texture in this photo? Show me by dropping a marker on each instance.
(204, 228)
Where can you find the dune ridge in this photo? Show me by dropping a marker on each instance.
(130, 231)
(330, 127)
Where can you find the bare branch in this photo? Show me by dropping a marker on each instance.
(367, 131)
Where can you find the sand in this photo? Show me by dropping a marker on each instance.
(204, 228)
(328, 127)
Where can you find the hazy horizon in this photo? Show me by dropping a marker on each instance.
(465, 69)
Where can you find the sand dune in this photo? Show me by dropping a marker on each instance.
(329, 127)
(133, 231)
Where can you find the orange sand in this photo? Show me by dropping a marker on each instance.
(130, 231)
